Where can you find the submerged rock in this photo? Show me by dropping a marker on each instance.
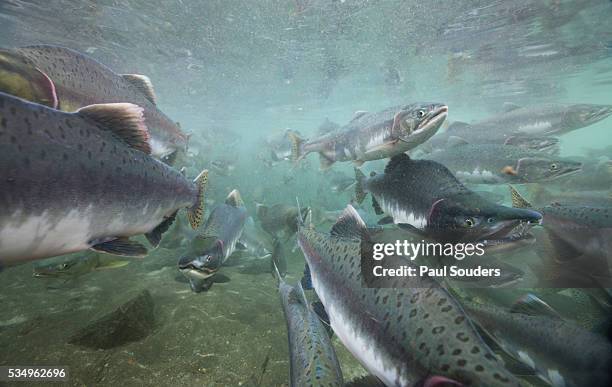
(131, 321)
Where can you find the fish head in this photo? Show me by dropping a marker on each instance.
(532, 169)
(201, 267)
(488, 223)
(418, 122)
(55, 269)
(581, 115)
(21, 78)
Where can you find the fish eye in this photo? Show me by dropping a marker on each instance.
(491, 220)
(421, 113)
(553, 167)
(63, 266)
(470, 222)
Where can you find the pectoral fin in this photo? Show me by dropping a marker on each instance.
(155, 236)
(121, 246)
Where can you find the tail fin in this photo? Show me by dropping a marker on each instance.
(517, 200)
(195, 214)
(359, 192)
(297, 149)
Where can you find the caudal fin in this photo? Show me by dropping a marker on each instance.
(297, 146)
(195, 214)
(360, 194)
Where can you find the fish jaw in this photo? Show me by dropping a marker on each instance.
(427, 128)
(493, 225)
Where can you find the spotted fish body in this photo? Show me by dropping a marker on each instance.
(519, 124)
(312, 356)
(562, 353)
(374, 136)
(79, 80)
(426, 196)
(69, 182)
(405, 336)
(496, 164)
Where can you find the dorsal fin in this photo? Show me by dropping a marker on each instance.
(234, 199)
(125, 120)
(517, 200)
(396, 161)
(143, 84)
(349, 225)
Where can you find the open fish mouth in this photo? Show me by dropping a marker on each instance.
(195, 270)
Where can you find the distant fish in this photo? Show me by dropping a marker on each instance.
(74, 181)
(526, 122)
(65, 79)
(495, 164)
(374, 136)
(223, 167)
(279, 218)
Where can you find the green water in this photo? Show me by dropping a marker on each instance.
(234, 73)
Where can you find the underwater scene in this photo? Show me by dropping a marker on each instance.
(296, 193)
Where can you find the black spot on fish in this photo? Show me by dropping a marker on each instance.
(444, 367)
(3, 122)
(413, 313)
(461, 362)
(459, 319)
(437, 330)
(479, 368)
(456, 352)
(13, 110)
(419, 331)
(461, 336)
(440, 349)
(475, 349)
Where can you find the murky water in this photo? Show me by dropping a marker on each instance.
(237, 75)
